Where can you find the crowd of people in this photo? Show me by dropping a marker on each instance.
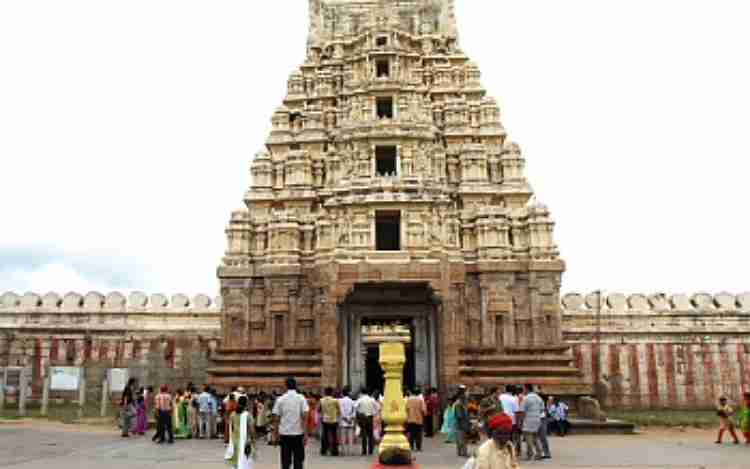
(347, 423)
(492, 431)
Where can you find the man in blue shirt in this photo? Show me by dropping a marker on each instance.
(205, 410)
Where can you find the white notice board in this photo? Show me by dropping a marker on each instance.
(117, 378)
(64, 378)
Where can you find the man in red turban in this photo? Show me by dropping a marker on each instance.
(498, 452)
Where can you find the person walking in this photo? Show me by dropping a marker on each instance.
(290, 413)
(330, 412)
(416, 409)
(726, 412)
(163, 406)
(365, 408)
(463, 422)
(346, 424)
(532, 409)
(242, 429)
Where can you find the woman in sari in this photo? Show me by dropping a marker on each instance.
(242, 431)
(449, 422)
(183, 419)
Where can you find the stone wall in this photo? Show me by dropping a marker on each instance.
(159, 339)
(656, 350)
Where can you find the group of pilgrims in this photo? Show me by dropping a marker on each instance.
(488, 431)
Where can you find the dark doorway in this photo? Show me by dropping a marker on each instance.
(388, 230)
(385, 160)
(374, 377)
(383, 68)
(385, 107)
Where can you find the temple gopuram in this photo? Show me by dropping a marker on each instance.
(390, 204)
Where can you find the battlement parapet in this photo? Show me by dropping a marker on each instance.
(655, 303)
(114, 302)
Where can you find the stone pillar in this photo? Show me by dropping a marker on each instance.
(22, 391)
(421, 365)
(3, 380)
(105, 398)
(81, 393)
(45, 396)
(79, 346)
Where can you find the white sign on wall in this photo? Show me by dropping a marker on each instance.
(64, 378)
(117, 378)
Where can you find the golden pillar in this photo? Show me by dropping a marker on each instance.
(394, 449)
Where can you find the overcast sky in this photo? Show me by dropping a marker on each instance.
(127, 129)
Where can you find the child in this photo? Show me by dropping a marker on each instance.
(725, 413)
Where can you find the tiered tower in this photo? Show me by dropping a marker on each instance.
(389, 191)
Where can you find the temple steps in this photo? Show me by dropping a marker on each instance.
(515, 360)
(266, 383)
(514, 371)
(265, 371)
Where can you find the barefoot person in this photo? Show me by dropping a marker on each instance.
(725, 413)
(744, 417)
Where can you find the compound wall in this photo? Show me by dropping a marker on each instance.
(655, 351)
(639, 351)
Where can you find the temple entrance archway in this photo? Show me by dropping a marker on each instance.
(373, 313)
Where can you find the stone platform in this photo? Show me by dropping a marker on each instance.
(592, 427)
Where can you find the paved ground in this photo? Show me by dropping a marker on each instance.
(36, 445)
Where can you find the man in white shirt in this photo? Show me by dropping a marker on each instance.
(346, 426)
(510, 403)
(511, 408)
(365, 408)
(290, 414)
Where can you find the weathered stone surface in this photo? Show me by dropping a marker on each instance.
(589, 409)
(725, 301)
(702, 301)
(573, 301)
(617, 302)
(137, 300)
(638, 302)
(387, 167)
(681, 302)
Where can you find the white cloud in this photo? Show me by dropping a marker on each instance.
(50, 277)
(128, 127)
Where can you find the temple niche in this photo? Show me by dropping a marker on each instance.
(389, 197)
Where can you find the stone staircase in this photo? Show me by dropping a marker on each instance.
(550, 367)
(263, 369)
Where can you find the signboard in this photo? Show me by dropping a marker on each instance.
(117, 379)
(64, 378)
